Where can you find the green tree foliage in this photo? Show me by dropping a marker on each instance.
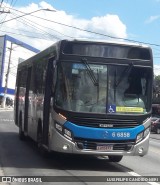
(157, 79)
(156, 92)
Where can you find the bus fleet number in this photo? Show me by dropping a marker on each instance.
(120, 134)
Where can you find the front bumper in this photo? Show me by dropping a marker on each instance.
(59, 143)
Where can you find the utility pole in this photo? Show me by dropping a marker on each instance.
(7, 75)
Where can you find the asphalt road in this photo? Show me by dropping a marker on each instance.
(19, 158)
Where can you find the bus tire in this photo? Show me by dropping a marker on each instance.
(39, 137)
(116, 158)
(41, 149)
(21, 133)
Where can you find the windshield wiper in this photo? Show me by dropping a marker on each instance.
(90, 72)
(123, 74)
(92, 76)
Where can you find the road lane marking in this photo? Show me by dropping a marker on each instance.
(136, 174)
(6, 120)
(2, 110)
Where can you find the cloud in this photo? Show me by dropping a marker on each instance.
(157, 70)
(110, 24)
(42, 34)
(152, 18)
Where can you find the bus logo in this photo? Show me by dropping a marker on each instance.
(105, 134)
(106, 125)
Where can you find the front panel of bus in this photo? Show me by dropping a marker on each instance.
(102, 99)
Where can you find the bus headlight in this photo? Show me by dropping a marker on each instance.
(63, 131)
(58, 127)
(139, 137)
(68, 134)
(147, 131)
(142, 135)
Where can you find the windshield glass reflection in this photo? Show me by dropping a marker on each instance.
(118, 89)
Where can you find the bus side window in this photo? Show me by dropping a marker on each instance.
(54, 72)
(40, 75)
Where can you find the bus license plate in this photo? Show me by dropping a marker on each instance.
(105, 147)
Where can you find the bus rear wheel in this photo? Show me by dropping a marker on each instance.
(116, 158)
(39, 139)
(43, 152)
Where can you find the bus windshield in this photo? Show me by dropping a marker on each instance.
(101, 88)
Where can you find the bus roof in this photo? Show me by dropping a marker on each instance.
(49, 51)
(127, 43)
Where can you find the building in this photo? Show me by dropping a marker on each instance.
(12, 51)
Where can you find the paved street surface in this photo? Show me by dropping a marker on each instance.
(21, 158)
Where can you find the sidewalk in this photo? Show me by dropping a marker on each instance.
(6, 108)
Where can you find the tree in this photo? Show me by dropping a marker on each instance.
(157, 79)
(156, 90)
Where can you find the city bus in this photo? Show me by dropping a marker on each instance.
(87, 97)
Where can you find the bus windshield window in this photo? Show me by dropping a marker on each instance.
(119, 89)
(128, 89)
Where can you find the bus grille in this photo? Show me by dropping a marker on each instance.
(103, 122)
(92, 145)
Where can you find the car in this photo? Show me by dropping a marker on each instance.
(155, 125)
(1, 98)
(9, 101)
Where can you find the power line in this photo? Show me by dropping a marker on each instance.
(93, 32)
(84, 30)
(33, 26)
(28, 23)
(5, 15)
(24, 15)
(89, 31)
(24, 35)
(101, 34)
(14, 3)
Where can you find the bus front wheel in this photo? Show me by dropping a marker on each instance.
(116, 158)
(21, 133)
(43, 152)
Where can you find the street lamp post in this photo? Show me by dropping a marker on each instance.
(8, 69)
(6, 80)
(44, 9)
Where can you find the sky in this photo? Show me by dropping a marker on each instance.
(136, 20)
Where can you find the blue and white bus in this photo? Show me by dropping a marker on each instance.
(87, 97)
